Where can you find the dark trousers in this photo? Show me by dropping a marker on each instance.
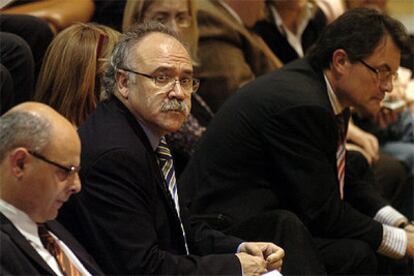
(347, 256)
(285, 230)
(17, 63)
(35, 31)
(304, 254)
(6, 89)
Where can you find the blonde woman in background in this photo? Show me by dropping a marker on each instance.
(71, 74)
(181, 16)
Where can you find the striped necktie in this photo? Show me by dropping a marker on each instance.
(165, 161)
(341, 152)
(66, 266)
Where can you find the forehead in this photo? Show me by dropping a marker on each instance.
(159, 49)
(167, 6)
(65, 144)
(386, 54)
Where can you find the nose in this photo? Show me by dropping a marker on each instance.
(172, 24)
(177, 90)
(387, 86)
(76, 186)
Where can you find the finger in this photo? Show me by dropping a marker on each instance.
(253, 249)
(279, 254)
(275, 265)
(269, 248)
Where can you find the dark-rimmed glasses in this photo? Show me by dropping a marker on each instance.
(382, 75)
(189, 85)
(67, 169)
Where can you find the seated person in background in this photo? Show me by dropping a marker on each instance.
(291, 27)
(132, 222)
(230, 55)
(39, 163)
(278, 143)
(78, 58)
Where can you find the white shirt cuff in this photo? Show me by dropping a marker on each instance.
(389, 216)
(394, 242)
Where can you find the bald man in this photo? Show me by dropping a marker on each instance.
(39, 164)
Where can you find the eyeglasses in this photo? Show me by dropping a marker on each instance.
(181, 20)
(68, 170)
(383, 75)
(188, 84)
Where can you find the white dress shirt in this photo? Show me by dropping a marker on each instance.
(28, 228)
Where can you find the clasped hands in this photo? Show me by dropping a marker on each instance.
(257, 258)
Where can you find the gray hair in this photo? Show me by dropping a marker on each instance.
(121, 52)
(23, 129)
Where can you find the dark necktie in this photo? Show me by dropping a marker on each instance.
(341, 152)
(66, 266)
(165, 161)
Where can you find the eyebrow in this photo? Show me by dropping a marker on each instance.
(170, 69)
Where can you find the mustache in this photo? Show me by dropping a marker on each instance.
(174, 105)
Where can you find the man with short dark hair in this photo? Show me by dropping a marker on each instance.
(39, 163)
(279, 143)
(131, 219)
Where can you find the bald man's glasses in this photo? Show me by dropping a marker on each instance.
(188, 84)
(67, 169)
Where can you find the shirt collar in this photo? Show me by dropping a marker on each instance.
(333, 99)
(231, 11)
(153, 139)
(21, 221)
(306, 15)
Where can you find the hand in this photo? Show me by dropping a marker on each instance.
(353, 147)
(266, 250)
(386, 117)
(368, 142)
(251, 265)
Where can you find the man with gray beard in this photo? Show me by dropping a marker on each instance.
(128, 214)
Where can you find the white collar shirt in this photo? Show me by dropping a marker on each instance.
(28, 228)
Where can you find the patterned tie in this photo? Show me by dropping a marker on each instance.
(66, 266)
(341, 152)
(167, 167)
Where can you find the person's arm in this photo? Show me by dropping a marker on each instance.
(367, 141)
(59, 13)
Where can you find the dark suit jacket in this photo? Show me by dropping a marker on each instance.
(126, 216)
(18, 257)
(273, 145)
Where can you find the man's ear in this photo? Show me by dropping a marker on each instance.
(340, 61)
(18, 159)
(122, 84)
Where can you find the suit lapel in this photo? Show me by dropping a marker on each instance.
(159, 178)
(9, 229)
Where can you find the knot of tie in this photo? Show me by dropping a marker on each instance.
(162, 151)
